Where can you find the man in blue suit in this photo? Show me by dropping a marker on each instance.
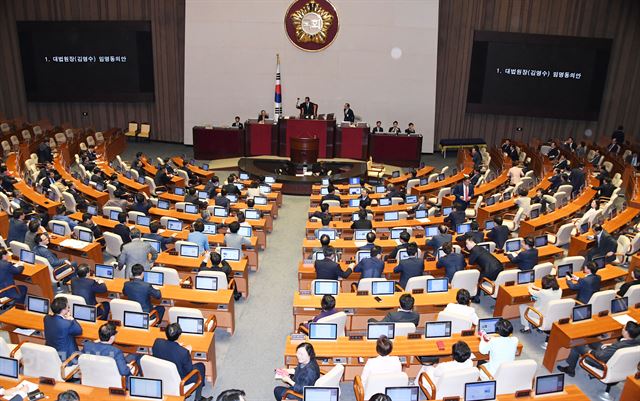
(499, 233)
(17, 227)
(60, 329)
(442, 238)
(328, 269)
(198, 237)
(410, 267)
(452, 262)
(463, 192)
(104, 347)
(153, 234)
(41, 249)
(87, 288)
(372, 266)
(371, 239)
(7, 272)
(61, 214)
(170, 350)
(142, 292)
(587, 285)
(526, 258)
(405, 237)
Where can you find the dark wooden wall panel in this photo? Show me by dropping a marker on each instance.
(616, 19)
(167, 17)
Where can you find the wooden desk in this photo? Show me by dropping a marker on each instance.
(486, 189)
(402, 179)
(90, 254)
(133, 185)
(219, 303)
(579, 243)
(347, 352)
(88, 191)
(129, 340)
(26, 190)
(631, 389)
(152, 170)
(199, 171)
(4, 224)
(447, 182)
(509, 298)
(360, 308)
(37, 279)
(344, 227)
(564, 337)
(487, 212)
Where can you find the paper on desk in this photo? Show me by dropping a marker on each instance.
(73, 243)
(24, 332)
(161, 230)
(360, 244)
(30, 386)
(623, 319)
(424, 220)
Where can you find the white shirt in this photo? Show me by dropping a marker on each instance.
(515, 174)
(463, 310)
(524, 202)
(380, 365)
(499, 349)
(543, 297)
(442, 369)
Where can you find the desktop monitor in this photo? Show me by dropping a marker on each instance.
(619, 305)
(411, 199)
(174, 225)
(136, 320)
(446, 211)
(190, 251)
(599, 262)
(206, 283)
(191, 209)
(421, 214)
(402, 254)
(9, 367)
(239, 185)
(534, 213)
(480, 391)
(506, 196)
(584, 227)
(512, 245)
(318, 255)
(363, 255)
(526, 277)
(37, 304)
(163, 204)
(331, 233)
(440, 177)
(354, 202)
(486, 247)
(155, 244)
(564, 269)
(324, 287)
(360, 235)
(154, 278)
(424, 181)
(325, 182)
(86, 313)
(244, 176)
(382, 287)
(384, 202)
(220, 212)
(141, 180)
(488, 325)
(265, 189)
(144, 221)
(395, 232)
(127, 174)
(252, 214)
(550, 384)
(581, 312)
(113, 215)
(210, 228)
(52, 196)
(463, 228)
(406, 393)
(85, 236)
(27, 256)
(438, 285)
(104, 271)
(92, 210)
(354, 181)
(437, 329)
(245, 231)
(391, 216)
(491, 200)
(205, 166)
(488, 225)
(355, 190)
(260, 200)
(191, 325)
(355, 217)
(431, 231)
(375, 330)
(179, 191)
(142, 387)
(540, 241)
(321, 393)
(269, 180)
(380, 189)
(57, 228)
(323, 331)
(230, 254)
(395, 174)
(232, 198)
(324, 191)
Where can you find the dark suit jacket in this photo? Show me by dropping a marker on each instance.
(585, 287)
(499, 235)
(141, 292)
(123, 231)
(87, 288)
(51, 257)
(605, 353)
(402, 317)
(370, 268)
(307, 109)
(173, 352)
(394, 252)
(526, 259)
(349, 116)
(478, 236)
(231, 189)
(329, 270)
(93, 348)
(330, 197)
(7, 273)
(162, 179)
(365, 202)
(142, 207)
(605, 244)
(410, 267)
(17, 230)
(95, 229)
(555, 181)
(451, 264)
(458, 192)
(362, 225)
(553, 153)
(605, 190)
(455, 218)
(489, 265)
(438, 240)
(222, 201)
(625, 287)
(577, 179)
(60, 334)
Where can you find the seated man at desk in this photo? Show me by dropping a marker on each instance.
(324, 243)
(17, 226)
(605, 245)
(162, 178)
(587, 285)
(411, 266)
(136, 252)
(219, 265)
(630, 338)
(171, 350)
(327, 306)
(263, 116)
(488, 264)
(87, 222)
(61, 214)
(328, 269)
(153, 234)
(234, 240)
(461, 359)
(378, 128)
(237, 123)
(87, 288)
(636, 281)
(61, 329)
(104, 347)
(451, 262)
(362, 223)
(442, 238)
(405, 314)
(411, 129)
(371, 267)
(323, 213)
(394, 129)
(478, 236)
(8, 271)
(230, 187)
(371, 239)
(331, 195)
(527, 258)
(605, 189)
(499, 233)
(41, 249)
(140, 291)
(405, 237)
(457, 216)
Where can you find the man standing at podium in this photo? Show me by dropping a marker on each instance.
(307, 109)
(348, 114)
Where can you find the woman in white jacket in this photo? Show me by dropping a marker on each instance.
(550, 291)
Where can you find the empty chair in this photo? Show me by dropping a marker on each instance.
(449, 385)
(514, 224)
(156, 368)
(562, 236)
(90, 141)
(601, 301)
(5, 128)
(67, 229)
(441, 194)
(332, 202)
(145, 131)
(60, 138)
(458, 321)
(164, 220)
(100, 371)
(5, 203)
(78, 228)
(179, 244)
(14, 141)
(623, 363)
(44, 361)
(132, 216)
(432, 178)
(467, 279)
(26, 135)
(69, 202)
(412, 183)
(365, 283)
(69, 134)
(83, 147)
(106, 211)
(633, 293)
(377, 383)
(221, 277)
(132, 129)
(171, 276)
(472, 213)
(404, 328)
(99, 137)
(492, 287)
(113, 243)
(512, 376)
(6, 148)
(555, 310)
(16, 246)
(542, 269)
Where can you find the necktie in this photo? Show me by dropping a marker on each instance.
(465, 192)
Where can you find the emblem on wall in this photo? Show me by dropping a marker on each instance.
(311, 25)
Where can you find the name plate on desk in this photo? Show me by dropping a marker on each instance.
(414, 336)
(305, 292)
(523, 393)
(563, 321)
(298, 337)
(467, 333)
(362, 293)
(417, 291)
(355, 338)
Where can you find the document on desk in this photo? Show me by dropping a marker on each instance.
(24, 332)
(30, 387)
(623, 319)
(73, 243)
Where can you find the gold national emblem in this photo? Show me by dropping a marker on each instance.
(311, 24)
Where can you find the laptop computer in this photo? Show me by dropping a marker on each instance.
(37, 304)
(331, 233)
(480, 391)
(619, 305)
(174, 225)
(438, 285)
(154, 278)
(86, 313)
(405, 393)
(136, 320)
(463, 228)
(190, 251)
(321, 393)
(27, 256)
(562, 270)
(581, 312)
(512, 245)
(191, 325)
(85, 236)
(550, 384)
(526, 277)
(230, 254)
(382, 287)
(144, 221)
(391, 216)
(540, 241)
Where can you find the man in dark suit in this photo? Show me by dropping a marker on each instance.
(331, 195)
(61, 329)
(394, 129)
(577, 179)
(404, 314)
(140, 204)
(476, 157)
(348, 113)
(562, 163)
(442, 238)
(328, 269)
(365, 200)
(478, 236)
(636, 280)
(362, 223)
(452, 262)
(371, 239)
(378, 128)
(405, 237)
(41, 249)
(171, 350)
(457, 216)
(605, 245)
(142, 292)
(630, 338)
(499, 233)
(587, 285)
(323, 213)
(162, 178)
(488, 264)
(104, 347)
(7, 273)
(411, 266)
(555, 180)
(230, 187)
(394, 192)
(222, 200)
(554, 152)
(308, 109)
(153, 234)
(463, 192)
(597, 158)
(372, 266)
(122, 229)
(614, 147)
(570, 145)
(605, 189)
(87, 288)
(477, 174)
(526, 258)
(237, 123)
(17, 226)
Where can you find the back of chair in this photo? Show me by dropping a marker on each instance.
(365, 283)
(67, 229)
(404, 328)
(601, 301)
(223, 283)
(458, 322)
(156, 368)
(542, 269)
(377, 383)
(119, 306)
(177, 311)
(339, 318)
(451, 384)
(418, 282)
(467, 279)
(331, 378)
(106, 211)
(41, 361)
(72, 300)
(16, 246)
(179, 244)
(633, 293)
(576, 261)
(623, 363)
(113, 243)
(515, 376)
(491, 244)
(99, 371)
(556, 310)
(171, 276)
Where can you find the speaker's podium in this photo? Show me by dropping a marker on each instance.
(324, 130)
(304, 150)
